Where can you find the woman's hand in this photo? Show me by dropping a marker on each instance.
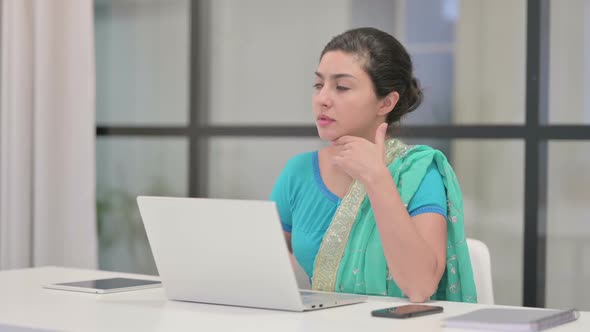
(359, 158)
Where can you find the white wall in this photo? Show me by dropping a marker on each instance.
(490, 88)
(142, 56)
(142, 60)
(263, 56)
(568, 243)
(569, 83)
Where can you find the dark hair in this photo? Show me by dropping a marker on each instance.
(387, 63)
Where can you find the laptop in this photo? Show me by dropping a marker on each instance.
(229, 252)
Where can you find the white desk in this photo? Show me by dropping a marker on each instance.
(24, 303)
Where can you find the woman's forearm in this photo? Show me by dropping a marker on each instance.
(411, 260)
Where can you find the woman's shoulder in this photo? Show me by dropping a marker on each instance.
(419, 158)
(418, 152)
(300, 162)
(422, 151)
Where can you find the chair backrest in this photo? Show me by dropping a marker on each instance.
(482, 270)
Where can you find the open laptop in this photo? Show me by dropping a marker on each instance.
(230, 252)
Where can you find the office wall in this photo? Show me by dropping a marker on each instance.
(0, 52)
(142, 56)
(262, 57)
(569, 62)
(568, 216)
(490, 75)
(142, 59)
(490, 89)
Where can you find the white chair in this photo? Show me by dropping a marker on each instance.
(482, 270)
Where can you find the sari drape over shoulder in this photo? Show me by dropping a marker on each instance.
(351, 257)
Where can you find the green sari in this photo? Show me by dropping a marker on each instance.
(351, 258)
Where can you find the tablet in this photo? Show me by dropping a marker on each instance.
(104, 286)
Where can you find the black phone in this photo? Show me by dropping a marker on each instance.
(407, 311)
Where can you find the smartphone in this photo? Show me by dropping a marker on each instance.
(407, 311)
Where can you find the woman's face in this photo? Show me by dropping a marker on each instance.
(344, 101)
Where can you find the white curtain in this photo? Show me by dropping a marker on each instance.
(47, 134)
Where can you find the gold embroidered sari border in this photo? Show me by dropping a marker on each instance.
(336, 238)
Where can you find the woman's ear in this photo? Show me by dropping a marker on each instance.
(387, 104)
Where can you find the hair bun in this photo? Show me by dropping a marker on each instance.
(413, 95)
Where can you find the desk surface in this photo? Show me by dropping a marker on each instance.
(24, 303)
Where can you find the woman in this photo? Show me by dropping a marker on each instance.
(368, 214)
